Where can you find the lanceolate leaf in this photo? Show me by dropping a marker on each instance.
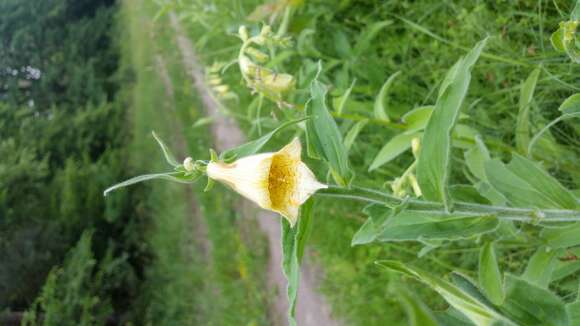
(563, 117)
(353, 133)
(293, 244)
(368, 232)
(341, 102)
(571, 104)
(434, 160)
(418, 314)
(417, 118)
(489, 274)
(525, 184)
(469, 287)
(380, 110)
(540, 267)
(541, 180)
(523, 121)
(254, 146)
(367, 36)
(562, 237)
(477, 311)
(179, 177)
(564, 268)
(528, 304)
(414, 225)
(393, 148)
(575, 14)
(573, 310)
(169, 157)
(325, 137)
(476, 157)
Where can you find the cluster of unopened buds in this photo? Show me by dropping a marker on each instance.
(565, 39)
(569, 29)
(219, 88)
(274, 86)
(407, 180)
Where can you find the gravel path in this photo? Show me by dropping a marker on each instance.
(312, 308)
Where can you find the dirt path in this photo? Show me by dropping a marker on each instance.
(312, 308)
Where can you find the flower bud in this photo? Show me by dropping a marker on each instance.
(257, 54)
(416, 146)
(243, 33)
(188, 164)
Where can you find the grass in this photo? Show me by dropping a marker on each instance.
(423, 41)
(184, 286)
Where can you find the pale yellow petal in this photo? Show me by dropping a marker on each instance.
(290, 213)
(293, 150)
(247, 176)
(307, 184)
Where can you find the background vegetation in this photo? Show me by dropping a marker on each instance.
(82, 86)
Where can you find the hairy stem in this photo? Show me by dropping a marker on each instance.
(528, 215)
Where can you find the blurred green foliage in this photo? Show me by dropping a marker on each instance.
(62, 140)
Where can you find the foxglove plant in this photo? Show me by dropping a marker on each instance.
(520, 191)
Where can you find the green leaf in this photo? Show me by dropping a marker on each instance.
(573, 311)
(342, 45)
(393, 148)
(469, 287)
(540, 267)
(528, 304)
(434, 160)
(467, 193)
(575, 14)
(526, 185)
(562, 237)
(463, 136)
(473, 308)
(417, 118)
(557, 40)
(539, 179)
(476, 157)
(415, 225)
(452, 317)
(380, 110)
(324, 136)
(523, 120)
(179, 177)
(368, 232)
(254, 146)
(341, 101)
(563, 117)
(489, 274)
(293, 244)
(169, 157)
(564, 268)
(366, 37)
(489, 192)
(418, 314)
(353, 133)
(571, 105)
(202, 122)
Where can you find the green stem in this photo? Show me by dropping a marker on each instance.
(466, 209)
(355, 117)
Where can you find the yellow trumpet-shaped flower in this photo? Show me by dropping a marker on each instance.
(279, 181)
